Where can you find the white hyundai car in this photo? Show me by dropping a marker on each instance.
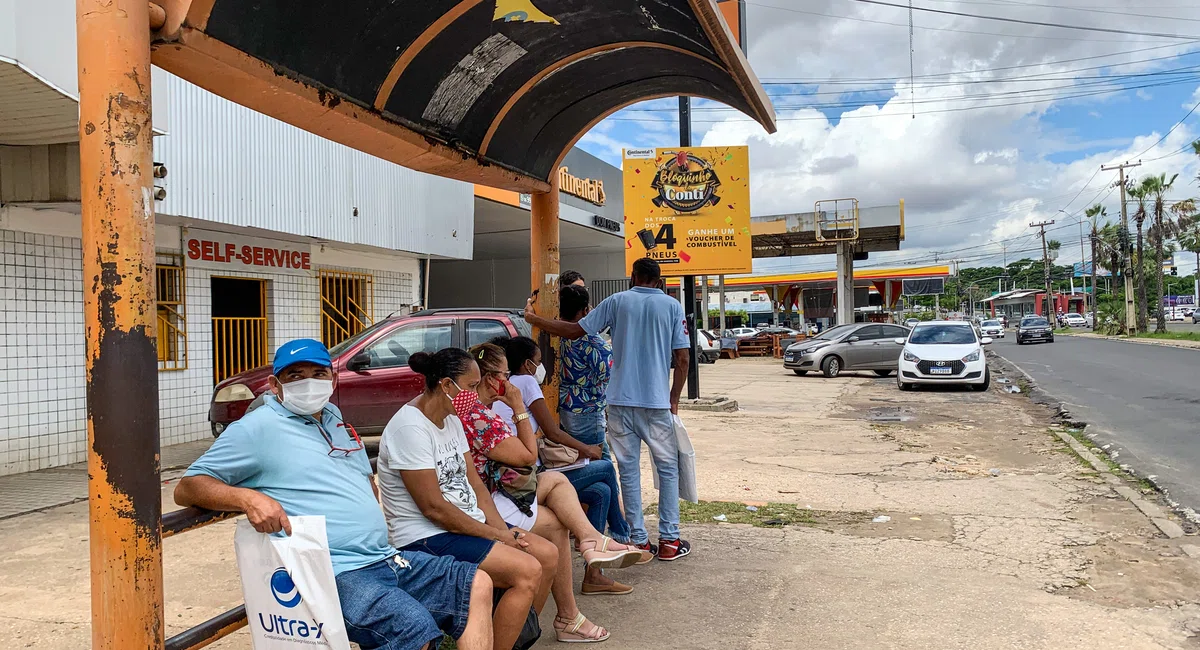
(943, 352)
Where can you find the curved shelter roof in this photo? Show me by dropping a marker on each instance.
(486, 91)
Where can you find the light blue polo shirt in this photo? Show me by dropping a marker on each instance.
(647, 325)
(284, 456)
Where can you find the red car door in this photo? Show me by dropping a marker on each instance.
(374, 383)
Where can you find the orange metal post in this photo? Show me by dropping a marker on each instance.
(116, 170)
(544, 270)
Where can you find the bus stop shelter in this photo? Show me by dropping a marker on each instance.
(485, 91)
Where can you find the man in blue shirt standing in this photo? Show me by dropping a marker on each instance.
(295, 456)
(648, 332)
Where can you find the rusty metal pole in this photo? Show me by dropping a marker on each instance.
(544, 270)
(116, 171)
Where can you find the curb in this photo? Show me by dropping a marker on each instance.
(1156, 342)
(1155, 514)
(1152, 512)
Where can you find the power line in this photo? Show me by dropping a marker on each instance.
(928, 112)
(1099, 10)
(1036, 23)
(1172, 130)
(1016, 67)
(940, 29)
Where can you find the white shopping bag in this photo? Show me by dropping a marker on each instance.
(688, 490)
(287, 581)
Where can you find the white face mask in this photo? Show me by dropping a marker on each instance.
(307, 396)
(540, 373)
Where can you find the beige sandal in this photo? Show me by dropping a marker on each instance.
(600, 556)
(570, 630)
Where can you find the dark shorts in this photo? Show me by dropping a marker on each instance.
(406, 601)
(463, 548)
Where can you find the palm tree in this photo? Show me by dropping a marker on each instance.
(1162, 228)
(1111, 244)
(1140, 193)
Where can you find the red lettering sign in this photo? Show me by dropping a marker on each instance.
(230, 253)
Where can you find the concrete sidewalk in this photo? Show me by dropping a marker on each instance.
(1167, 343)
(996, 537)
(33, 491)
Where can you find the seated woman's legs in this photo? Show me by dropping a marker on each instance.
(601, 473)
(520, 575)
(549, 527)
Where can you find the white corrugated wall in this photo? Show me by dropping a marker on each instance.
(231, 165)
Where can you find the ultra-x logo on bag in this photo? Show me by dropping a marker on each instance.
(284, 589)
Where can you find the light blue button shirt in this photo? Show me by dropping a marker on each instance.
(647, 325)
(284, 456)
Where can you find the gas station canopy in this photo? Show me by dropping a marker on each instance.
(486, 91)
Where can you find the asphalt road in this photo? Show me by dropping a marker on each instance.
(1141, 398)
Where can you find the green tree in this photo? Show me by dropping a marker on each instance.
(1110, 246)
(1162, 228)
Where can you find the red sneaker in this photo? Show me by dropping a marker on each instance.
(673, 549)
(649, 552)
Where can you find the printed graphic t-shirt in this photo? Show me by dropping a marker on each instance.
(411, 442)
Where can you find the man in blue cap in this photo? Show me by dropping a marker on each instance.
(296, 456)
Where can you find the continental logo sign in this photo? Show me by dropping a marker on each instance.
(688, 208)
(587, 189)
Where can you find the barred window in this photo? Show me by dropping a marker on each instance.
(172, 324)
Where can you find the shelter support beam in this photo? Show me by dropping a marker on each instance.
(544, 270)
(116, 171)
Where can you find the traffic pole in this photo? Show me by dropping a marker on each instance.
(116, 178)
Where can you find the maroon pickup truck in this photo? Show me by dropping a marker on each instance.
(374, 379)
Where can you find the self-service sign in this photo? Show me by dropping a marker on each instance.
(220, 250)
(689, 209)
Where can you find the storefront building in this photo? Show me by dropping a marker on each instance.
(592, 239)
(265, 233)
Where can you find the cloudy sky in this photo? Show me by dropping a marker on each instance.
(1012, 121)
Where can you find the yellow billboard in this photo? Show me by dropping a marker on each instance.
(689, 209)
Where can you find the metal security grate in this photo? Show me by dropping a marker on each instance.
(172, 324)
(347, 302)
(239, 344)
(602, 289)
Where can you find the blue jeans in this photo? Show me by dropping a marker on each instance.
(597, 487)
(406, 601)
(628, 428)
(588, 428)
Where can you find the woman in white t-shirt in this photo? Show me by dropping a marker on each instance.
(436, 502)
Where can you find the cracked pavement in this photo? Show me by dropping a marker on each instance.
(997, 538)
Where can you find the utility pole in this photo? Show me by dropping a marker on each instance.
(687, 290)
(1130, 307)
(1082, 265)
(1045, 265)
(1095, 291)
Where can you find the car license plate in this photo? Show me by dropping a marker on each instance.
(940, 371)
(789, 357)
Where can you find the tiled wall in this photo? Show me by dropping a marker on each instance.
(42, 406)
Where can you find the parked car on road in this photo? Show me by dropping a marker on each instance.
(992, 328)
(373, 376)
(708, 346)
(743, 332)
(1075, 320)
(861, 346)
(912, 322)
(1196, 317)
(1034, 328)
(943, 352)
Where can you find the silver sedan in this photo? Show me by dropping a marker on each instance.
(861, 346)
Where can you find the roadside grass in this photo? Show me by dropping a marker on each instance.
(1114, 467)
(1171, 336)
(772, 515)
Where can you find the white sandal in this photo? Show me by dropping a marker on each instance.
(570, 631)
(600, 556)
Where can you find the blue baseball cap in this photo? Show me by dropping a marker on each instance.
(300, 351)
